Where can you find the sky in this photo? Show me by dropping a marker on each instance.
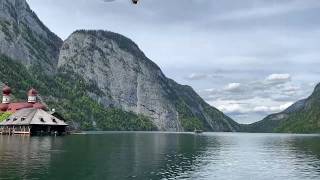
(248, 58)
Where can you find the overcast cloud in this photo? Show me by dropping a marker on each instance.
(248, 58)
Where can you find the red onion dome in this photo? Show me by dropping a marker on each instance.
(32, 92)
(4, 107)
(6, 90)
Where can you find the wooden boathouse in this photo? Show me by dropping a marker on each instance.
(32, 121)
(29, 117)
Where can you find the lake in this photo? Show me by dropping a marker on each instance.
(139, 155)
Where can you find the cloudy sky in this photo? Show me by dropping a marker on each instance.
(248, 58)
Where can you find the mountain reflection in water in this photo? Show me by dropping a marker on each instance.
(137, 155)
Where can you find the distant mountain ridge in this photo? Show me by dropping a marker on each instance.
(301, 117)
(98, 79)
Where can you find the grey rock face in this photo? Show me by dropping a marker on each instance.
(126, 79)
(296, 106)
(23, 36)
(130, 81)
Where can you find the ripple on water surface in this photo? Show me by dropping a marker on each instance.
(129, 155)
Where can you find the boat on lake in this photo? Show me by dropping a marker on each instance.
(198, 131)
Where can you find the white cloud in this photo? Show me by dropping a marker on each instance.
(285, 106)
(278, 78)
(209, 90)
(233, 87)
(233, 108)
(202, 76)
(257, 98)
(197, 76)
(290, 90)
(261, 109)
(272, 109)
(275, 77)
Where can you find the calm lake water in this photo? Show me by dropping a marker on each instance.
(120, 155)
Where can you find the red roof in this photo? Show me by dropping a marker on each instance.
(3, 107)
(13, 107)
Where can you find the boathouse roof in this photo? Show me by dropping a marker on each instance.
(32, 116)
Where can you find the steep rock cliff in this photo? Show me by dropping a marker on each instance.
(23, 37)
(128, 80)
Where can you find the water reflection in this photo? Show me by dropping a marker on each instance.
(161, 156)
(127, 156)
(262, 156)
(22, 157)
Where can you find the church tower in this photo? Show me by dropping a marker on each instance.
(6, 91)
(32, 96)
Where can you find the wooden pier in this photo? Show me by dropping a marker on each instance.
(15, 130)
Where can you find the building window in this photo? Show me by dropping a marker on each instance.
(23, 118)
(54, 120)
(15, 118)
(42, 120)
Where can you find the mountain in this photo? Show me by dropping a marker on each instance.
(126, 79)
(302, 117)
(23, 37)
(98, 80)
